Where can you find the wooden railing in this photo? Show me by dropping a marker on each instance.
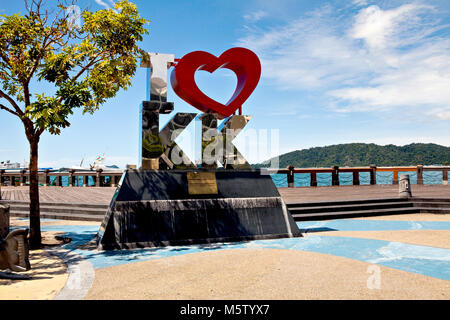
(372, 169)
(111, 178)
(100, 177)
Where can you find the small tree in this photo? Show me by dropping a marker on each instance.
(85, 65)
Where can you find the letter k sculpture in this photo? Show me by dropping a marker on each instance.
(158, 149)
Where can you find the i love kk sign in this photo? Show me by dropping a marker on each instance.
(158, 148)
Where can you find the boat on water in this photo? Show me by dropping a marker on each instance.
(8, 165)
(98, 164)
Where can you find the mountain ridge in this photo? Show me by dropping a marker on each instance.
(364, 154)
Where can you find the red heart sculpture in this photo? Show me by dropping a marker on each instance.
(243, 62)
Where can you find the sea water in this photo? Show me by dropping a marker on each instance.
(346, 178)
(323, 179)
(78, 181)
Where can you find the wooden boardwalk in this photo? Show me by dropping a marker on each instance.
(103, 195)
(317, 194)
(97, 195)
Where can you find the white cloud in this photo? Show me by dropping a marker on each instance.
(442, 114)
(370, 60)
(380, 28)
(255, 16)
(360, 3)
(305, 53)
(108, 4)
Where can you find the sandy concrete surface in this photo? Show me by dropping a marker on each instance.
(410, 217)
(261, 274)
(432, 238)
(48, 276)
(244, 273)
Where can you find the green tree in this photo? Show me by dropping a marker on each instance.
(85, 64)
(362, 154)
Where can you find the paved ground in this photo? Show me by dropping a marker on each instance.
(48, 277)
(261, 274)
(390, 257)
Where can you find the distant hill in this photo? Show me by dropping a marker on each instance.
(362, 154)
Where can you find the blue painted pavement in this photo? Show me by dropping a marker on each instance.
(371, 225)
(425, 260)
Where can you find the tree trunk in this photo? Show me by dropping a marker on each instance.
(35, 219)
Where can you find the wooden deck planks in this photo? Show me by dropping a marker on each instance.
(316, 194)
(100, 195)
(103, 195)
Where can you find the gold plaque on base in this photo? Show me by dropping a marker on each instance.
(150, 163)
(202, 183)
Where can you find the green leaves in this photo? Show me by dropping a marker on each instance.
(47, 113)
(86, 65)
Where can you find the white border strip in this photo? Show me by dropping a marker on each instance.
(81, 275)
(286, 219)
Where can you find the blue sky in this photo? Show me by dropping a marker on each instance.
(332, 72)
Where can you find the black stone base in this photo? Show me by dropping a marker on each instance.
(153, 208)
